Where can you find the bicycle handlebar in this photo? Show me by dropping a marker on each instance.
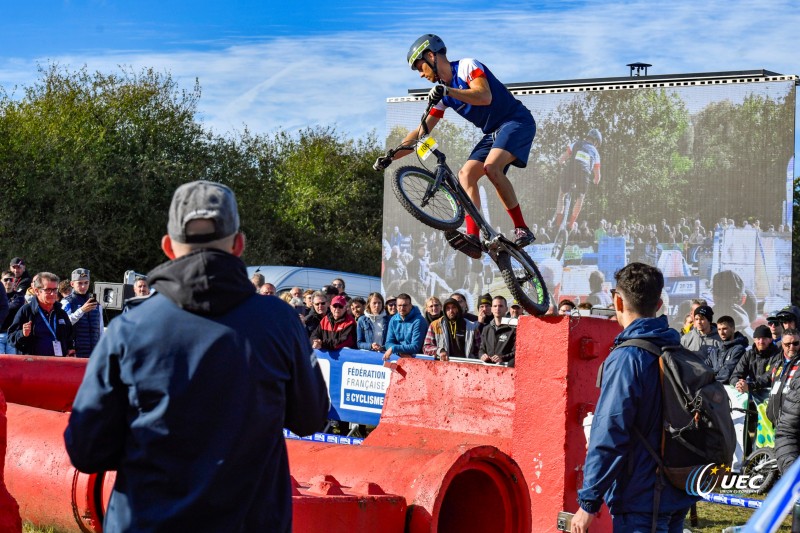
(422, 124)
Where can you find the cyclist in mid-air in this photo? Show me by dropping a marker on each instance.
(471, 89)
(582, 162)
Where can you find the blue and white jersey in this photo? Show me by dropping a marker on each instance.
(488, 118)
(585, 155)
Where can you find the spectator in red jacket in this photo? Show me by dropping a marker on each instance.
(337, 330)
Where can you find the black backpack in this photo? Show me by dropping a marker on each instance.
(697, 427)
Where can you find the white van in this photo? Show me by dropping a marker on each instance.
(286, 277)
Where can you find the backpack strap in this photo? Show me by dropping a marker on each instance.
(659, 484)
(643, 344)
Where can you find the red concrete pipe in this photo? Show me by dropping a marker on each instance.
(439, 444)
(50, 491)
(364, 507)
(45, 382)
(10, 520)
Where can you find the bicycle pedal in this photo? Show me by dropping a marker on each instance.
(463, 244)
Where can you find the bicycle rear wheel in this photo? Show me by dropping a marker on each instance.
(438, 209)
(762, 461)
(523, 279)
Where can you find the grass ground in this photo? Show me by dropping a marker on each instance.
(713, 518)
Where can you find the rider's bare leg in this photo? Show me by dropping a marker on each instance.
(576, 210)
(468, 176)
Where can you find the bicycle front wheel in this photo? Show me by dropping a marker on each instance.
(762, 462)
(523, 279)
(436, 208)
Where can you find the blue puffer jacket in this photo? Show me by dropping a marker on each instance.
(618, 467)
(407, 335)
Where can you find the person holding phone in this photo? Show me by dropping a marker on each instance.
(85, 313)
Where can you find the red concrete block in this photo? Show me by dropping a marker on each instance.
(557, 363)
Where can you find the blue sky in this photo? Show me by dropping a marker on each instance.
(269, 65)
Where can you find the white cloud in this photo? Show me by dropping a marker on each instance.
(343, 79)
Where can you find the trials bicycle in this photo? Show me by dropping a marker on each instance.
(562, 236)
(438, 200)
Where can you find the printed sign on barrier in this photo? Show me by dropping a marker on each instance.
(364, 387)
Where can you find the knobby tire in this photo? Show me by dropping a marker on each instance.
(524, 281)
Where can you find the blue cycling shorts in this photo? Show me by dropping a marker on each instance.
(514, 136)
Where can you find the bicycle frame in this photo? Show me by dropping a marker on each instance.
(492, 239)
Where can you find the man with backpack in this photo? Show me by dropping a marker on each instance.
(619, 469)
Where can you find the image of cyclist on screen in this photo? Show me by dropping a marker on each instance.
(469, 87)
(581, 162)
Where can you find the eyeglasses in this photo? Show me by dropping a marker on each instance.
(392, 304)
(774, 323)
(795, 343)
(337, 306)
(49, 291)
(613, 292)
(337, 285)
(6, 280)
(319, 303)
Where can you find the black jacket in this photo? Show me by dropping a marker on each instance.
(15, 303)
(754, 367)
(40, 341)
(724, 360)
(498, 340)
(787, 432)
(782, 373)
(186, 397)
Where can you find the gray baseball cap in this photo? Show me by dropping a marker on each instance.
(80, 274)
(204, 200)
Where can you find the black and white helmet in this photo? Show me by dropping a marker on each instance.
(429, 41)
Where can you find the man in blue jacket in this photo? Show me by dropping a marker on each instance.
(186, 395)
(618, 467)
(407, 329)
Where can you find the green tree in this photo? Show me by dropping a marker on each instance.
(90, 162)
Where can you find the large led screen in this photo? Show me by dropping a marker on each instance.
(696, 180)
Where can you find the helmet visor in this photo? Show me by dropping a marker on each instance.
(417, 52)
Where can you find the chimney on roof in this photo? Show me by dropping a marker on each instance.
(637, 68)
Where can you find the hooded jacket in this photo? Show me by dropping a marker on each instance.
(702, 344)
(438, 337)
(618, 467)
(724, 360)
(186, 397)
(406, 334)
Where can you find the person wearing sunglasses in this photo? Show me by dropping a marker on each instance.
(787, 427)
(784, 368)
(318, 310)
(337, 330)
(41, 327)
(15, 301)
